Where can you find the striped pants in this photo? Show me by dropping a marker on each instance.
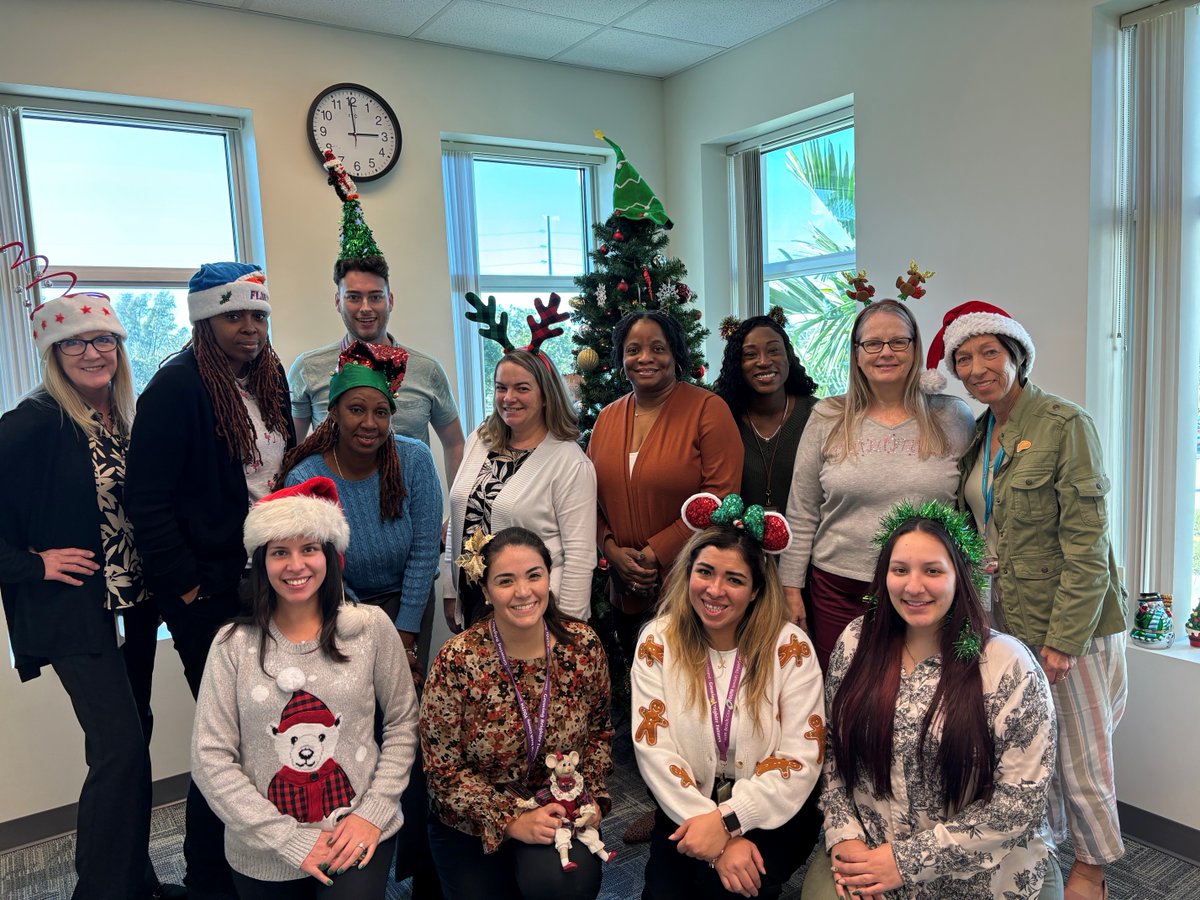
(1088, 705)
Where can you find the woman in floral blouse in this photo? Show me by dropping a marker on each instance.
(941, 738)
(523, 682)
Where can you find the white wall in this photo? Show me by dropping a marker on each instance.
(978, 153)
(274, 68)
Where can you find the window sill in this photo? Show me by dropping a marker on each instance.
(1181, 649)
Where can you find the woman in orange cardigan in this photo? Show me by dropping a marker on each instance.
(652, 449)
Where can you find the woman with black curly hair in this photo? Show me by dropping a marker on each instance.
(770, 395)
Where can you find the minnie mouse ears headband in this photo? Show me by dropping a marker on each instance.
(770, 529)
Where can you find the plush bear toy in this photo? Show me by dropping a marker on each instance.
(565, 787)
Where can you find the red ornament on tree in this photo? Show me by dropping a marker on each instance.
(604, 248)
(700, 372)
(617, 236)
(623, 286)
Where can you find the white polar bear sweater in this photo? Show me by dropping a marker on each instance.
(282, 754)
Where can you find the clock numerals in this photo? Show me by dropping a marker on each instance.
(359, 127)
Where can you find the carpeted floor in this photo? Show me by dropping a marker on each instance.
(45, 871)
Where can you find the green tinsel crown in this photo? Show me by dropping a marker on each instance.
(357, 240)
(957, 525)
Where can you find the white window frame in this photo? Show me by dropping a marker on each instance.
(745, 180)
(18, 360)
(458, 158)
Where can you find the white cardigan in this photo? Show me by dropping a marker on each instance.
(678, 757)
(553, 494)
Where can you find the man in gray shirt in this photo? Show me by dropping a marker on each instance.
(365, 302)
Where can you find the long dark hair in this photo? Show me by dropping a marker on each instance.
(731, 384)
(265, 384)
(391, 476)
(863, 711)
(515, 536)
(263, 602)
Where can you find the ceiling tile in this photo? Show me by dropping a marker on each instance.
(629, 51)
(386, 18)
(503, 29)
(718, 22)
(585, 10)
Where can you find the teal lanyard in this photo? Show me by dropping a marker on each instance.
(990, 469)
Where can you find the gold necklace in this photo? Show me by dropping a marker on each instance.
(722, 660)
(338, 465)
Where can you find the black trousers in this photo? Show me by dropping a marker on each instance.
(193, 627)
(516, 871)
(353, 884)
(670, 874)
(114, 804)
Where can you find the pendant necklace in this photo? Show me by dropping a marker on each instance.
(769, 465)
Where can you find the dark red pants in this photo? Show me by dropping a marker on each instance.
(833, 602)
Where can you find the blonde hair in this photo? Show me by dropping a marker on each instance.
(558, 412)
(849, 409)
(58, 385)
(757, 633)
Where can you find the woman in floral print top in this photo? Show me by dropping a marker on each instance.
(919, 805)
(477, 731)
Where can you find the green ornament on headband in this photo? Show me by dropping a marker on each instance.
(957, 525)
(733, 510)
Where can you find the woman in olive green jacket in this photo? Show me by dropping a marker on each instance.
(1034, 480)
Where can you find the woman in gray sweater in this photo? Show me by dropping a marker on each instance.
(284, 746)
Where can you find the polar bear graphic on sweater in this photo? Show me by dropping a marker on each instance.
(310, 785)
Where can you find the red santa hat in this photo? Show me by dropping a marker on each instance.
(967, 321)
(304, 708)
(309, 509)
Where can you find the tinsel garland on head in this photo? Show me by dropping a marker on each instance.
(957, 525)
(357, 240)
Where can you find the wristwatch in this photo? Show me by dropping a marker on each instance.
(730, 820)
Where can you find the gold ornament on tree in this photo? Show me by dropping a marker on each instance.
(587, 360)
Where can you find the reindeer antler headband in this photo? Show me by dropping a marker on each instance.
(768, 528)
(908, 284)
(494, 327)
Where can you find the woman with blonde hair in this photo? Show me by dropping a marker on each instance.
(728, 717)
(68, 567)
(523, 467)
(882, 441)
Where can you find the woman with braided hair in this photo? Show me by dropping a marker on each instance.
(212, 428)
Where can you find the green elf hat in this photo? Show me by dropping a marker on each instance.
(633, 198)
(357, 240)
(369, 365)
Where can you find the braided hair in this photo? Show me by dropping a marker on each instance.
(265, 384)
(391, 480)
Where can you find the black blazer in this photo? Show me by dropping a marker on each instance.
(184, 492)
(50, 503)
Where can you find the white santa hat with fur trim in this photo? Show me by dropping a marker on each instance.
(309, 509)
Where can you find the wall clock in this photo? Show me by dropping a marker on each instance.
(358, 125)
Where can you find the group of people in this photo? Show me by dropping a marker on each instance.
(951, 713)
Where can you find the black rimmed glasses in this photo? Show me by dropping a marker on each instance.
(104, 343)
(897, 345)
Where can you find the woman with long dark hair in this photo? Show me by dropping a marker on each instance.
(941, 737)
(523, 682)
(770, 395)
(284, 745)
(728, 716)
(212, 427)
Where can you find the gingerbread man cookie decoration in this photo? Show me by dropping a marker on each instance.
(817, 724)
(651, 651)
(794, 649)
(652, 720)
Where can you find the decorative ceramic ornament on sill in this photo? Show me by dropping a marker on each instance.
(1152, 625)
(1193, 626)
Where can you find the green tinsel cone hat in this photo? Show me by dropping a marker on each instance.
(633, 198)
(357, 240)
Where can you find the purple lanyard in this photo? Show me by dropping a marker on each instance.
(722, 724)
(534, 737)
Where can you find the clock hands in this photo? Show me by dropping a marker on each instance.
(358, 134)
(353, 123)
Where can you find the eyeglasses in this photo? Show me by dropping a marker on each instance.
(105, 343)
(898, 345)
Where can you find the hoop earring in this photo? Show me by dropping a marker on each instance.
(678, 372)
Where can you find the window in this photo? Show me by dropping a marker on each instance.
(1150, 367)
(796, 228)
(520, 228)
(131, 201)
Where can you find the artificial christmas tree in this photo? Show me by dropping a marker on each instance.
(630, 272)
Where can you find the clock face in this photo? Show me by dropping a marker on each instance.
(356, 124)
